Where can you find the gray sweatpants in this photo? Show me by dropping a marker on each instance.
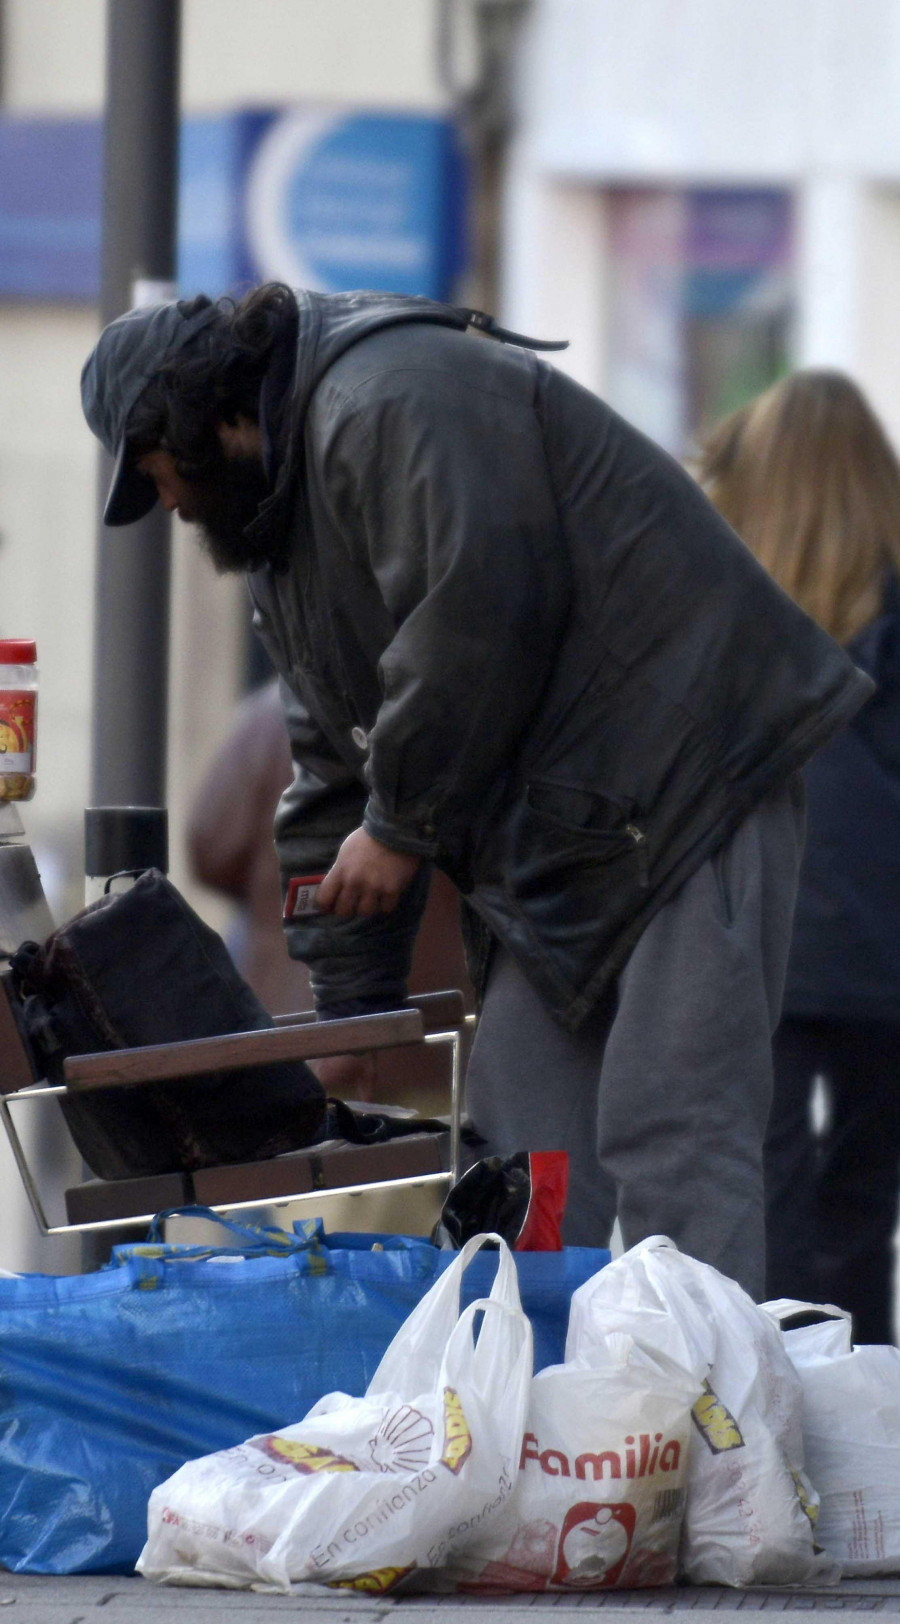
(661, 1098)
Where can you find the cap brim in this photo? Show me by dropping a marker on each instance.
(131, 493)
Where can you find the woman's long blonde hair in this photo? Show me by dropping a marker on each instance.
(805, 474)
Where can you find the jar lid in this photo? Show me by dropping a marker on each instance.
(17, 651)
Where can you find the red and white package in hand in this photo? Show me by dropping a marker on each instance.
(599, 1498)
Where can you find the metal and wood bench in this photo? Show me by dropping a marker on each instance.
(335, 1167)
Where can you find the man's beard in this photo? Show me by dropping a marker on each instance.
(222, 505)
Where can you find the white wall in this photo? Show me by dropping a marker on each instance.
(47, 504)
(800, 93)
(699, 89)
(879, 323)
(376, 52)
(53, 55)
(848, 272)
(555, 255)
(204, 676)
(379, 53)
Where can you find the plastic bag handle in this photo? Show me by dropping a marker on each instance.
(784, 1309)
(505, 1287)
(259, 1235)
(483, 1352)
(424, 1335)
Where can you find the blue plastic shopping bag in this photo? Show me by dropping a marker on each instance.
(111, 1381)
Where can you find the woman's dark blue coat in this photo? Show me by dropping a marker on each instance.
(845, 958)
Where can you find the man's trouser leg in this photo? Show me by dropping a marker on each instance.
(686, 1083)
(532, 1086)
(678, 1072)
(790, 1162)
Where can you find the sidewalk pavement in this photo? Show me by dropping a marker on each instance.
(34, 1599)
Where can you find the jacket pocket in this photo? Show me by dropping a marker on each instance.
(561, 827)
(724, 890)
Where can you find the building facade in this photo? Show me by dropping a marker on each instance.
(703, 194)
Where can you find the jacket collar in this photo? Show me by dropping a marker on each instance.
(274, 398)
(277, 413)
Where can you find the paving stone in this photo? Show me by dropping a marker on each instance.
(91, 1599)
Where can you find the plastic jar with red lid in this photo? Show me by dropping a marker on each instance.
(18, 718)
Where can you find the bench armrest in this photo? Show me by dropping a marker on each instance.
(161, 1062)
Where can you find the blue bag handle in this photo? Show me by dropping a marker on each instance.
(267, 1235)
(257, 1240)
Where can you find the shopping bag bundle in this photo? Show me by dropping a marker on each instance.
(110, 1381)
(574, 1480)
(751, 1508)
(666, 1445)
(365, 1491)
(600, 1494)
(851, 1434)
(660, 1438)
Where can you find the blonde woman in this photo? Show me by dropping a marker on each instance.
(806, 476)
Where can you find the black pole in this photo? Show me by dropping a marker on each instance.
(131, 634)
(131, 606)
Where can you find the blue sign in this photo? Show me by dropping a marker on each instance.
(49, 208)
(362, 201)
(324, 198)
(215, 154)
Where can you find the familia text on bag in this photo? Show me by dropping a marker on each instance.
(751, 1509)
(599, 1498)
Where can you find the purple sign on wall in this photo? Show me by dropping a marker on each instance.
(49, 208)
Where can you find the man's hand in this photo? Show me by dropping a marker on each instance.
(366, 878)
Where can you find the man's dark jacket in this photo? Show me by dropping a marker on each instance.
(515, 639)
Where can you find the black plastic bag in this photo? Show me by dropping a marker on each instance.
(522, 1198)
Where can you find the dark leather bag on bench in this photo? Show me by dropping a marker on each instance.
(140, 967)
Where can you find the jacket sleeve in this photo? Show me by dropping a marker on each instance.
(441, 488)
(356, 966)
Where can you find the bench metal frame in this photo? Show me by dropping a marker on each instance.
(429, 1018)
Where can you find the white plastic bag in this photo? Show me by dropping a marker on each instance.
(750, 1507)
(599, 1499)
(823, 1331)
(851, 1434)
(365, 1489)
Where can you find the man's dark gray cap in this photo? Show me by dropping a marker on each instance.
(127, 356)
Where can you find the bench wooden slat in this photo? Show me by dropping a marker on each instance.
(327, 1167)
(161, 1062)
(324, 1167)
(102, 1200)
